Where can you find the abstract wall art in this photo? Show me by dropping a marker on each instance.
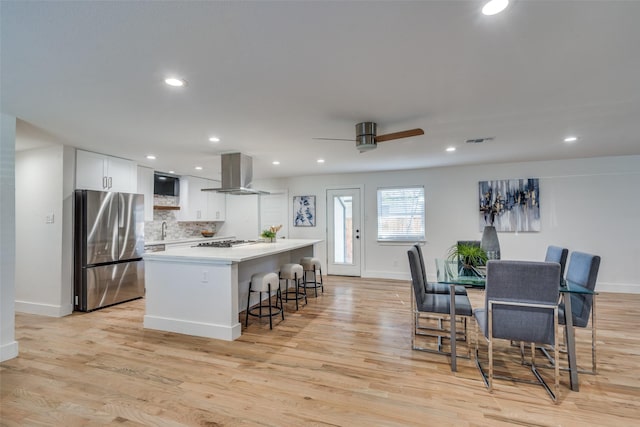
(304, 211)
(510, 204)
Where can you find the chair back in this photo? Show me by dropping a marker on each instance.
(524, 282)
(416, 275)
(582, 270)
(422, 267)
(559, 255)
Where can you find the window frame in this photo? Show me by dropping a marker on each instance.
(406, 238)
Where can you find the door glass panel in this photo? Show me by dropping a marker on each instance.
(343, 229)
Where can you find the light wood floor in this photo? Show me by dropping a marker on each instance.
(344, 359)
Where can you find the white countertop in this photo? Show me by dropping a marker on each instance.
(229, 255)
(187, 240)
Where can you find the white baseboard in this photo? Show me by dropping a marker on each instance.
(43, 309)
(619, 288)
(8, 351)
(199, 329)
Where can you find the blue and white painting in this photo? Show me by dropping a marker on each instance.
(510, 204)
(304, 211)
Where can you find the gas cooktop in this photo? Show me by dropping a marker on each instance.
(225, 243)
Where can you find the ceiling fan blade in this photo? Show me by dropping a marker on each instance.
(334, 139)
(398, 135)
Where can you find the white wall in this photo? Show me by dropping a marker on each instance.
(8, 344)
(241, 218)
(587, 205)
(43, 251)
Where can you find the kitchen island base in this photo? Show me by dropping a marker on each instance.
(201, 291)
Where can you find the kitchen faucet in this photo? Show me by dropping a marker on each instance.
(163, 230)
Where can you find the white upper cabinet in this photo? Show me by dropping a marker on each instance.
(105, 173)
(145, 187)
(216, 202)
(198, 205)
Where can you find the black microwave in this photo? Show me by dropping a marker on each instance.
(165, 184)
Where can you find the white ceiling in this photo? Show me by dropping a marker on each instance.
(267, 77)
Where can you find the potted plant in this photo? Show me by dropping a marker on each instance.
(270, 234)
(469, 257)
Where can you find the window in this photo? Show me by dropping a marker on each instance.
(401, 214)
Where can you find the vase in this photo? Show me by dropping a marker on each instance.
(490, 242)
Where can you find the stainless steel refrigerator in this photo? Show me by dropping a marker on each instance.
(108, 248)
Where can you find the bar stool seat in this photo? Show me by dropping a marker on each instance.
(264, 282)
(293, 272)
(312, 265)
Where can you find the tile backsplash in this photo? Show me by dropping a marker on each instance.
(175, 229)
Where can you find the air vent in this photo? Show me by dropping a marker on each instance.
(479, 140)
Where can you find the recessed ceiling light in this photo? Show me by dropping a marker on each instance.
(151, 157)
(320, 160)
(214, 139)
(495, 6)
(450, 149)
(198, 168)
(175, 82)
(275, 162)
(172, 171)
(571, 139)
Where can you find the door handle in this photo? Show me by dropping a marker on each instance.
(110, 180)
(104, 182)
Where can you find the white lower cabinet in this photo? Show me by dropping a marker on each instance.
(198, 205)
(100, 172)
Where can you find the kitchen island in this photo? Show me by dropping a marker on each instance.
(200, 290)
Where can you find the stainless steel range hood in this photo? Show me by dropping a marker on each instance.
(237, 173)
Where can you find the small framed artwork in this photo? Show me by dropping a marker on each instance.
(304, 211)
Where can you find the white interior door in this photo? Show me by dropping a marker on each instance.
(343, 232)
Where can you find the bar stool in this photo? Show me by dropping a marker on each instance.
(312, 265)
(293, 272)
(264, 282)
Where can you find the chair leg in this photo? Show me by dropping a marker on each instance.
(593, 335)
(246, 320)
(269, 302)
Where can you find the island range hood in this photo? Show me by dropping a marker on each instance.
(237, 173)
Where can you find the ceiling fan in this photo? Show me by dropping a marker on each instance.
(366, 138)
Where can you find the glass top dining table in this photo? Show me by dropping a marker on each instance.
(454, 274)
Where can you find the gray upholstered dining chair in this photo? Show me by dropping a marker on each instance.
(583, 270)
(424, 303)
(521, 304)
(559, 255)
(435, 288)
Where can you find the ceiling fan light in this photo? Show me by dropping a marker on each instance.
(366, 147)
(494, 7)
(366, 142)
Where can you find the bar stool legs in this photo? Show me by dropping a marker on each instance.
(293, 272)
(312, 265)
(264, 282)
